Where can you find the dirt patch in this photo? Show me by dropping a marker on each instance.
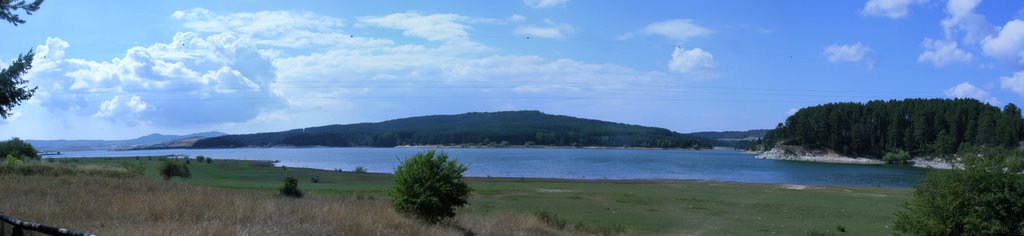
(795, 186)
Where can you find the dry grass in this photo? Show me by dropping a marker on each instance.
(137, 206)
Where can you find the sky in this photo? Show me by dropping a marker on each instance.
(123, 69)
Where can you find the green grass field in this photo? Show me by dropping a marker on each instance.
(643, 207)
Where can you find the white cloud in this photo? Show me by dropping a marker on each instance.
(1008, 45)
(163, 84)
(247, 80)
(434, 27)
(961, 19)
(1014, 83)
(846, 53)
(626, 36)
(941, 53)
(516, 18)
(121, 106)
(545, 3)
(889, 8)
(694, 62)
(678, 29)
(968, 90)
(278, 28)
(552, 31)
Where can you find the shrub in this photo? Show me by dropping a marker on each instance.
(11, 161)
(18, 148)
(360, 170)
(200, 158)
(898, 157)
(209, 160)
(972, 201)
(136, 168)
(315, 179)
(291, 188)
(552, 219)
(174, 168)
(429, 187)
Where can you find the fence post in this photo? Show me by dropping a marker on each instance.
(17, 231)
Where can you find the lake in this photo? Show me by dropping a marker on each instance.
(570, 163)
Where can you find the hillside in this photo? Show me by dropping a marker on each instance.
(745, 140)
(82, 145)
(922, 127)
(494, 128)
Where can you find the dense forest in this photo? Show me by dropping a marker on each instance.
(491, 129)
(917, 126)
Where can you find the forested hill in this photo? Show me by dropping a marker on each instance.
(494, 129)
(919, 126)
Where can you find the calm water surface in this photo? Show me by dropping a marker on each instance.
(573, 164)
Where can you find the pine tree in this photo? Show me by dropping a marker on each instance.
(12, 87)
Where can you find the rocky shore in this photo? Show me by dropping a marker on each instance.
(791, 153)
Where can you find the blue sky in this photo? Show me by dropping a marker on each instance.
(122, 69)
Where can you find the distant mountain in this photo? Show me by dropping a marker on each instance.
(490, 128)
(733, 135)
(84, 145)
(734, 139)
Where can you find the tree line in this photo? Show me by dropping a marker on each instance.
(917, 126)
(493, 129)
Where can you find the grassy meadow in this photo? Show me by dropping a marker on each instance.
(536, 206)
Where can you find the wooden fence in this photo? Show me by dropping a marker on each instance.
(20, 226)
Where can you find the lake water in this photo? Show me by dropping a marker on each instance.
(573, 164)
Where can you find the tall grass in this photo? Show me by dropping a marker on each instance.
(34, 168)
(137, 206)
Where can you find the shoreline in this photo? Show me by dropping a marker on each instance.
(798, 154)
(275, 164)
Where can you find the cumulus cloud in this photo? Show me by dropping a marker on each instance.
(1014, 83)
(968, 90)
(1008, 45)
(941, 53)
(678, 29)
(249, 78)
(164, 84)
(545, 3)
(434, 27)
(694, 62)
(961, 19)
(889, 8)
(847, 53)
(120, 106)
(552, 30)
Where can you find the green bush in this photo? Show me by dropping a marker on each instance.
(200, 158)
(972, 201)
(360, 170)
(291, 188)
(18, 148)
(429, 187)
(898, 157)
(174, 168)
(136, 168)
(11, 161)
